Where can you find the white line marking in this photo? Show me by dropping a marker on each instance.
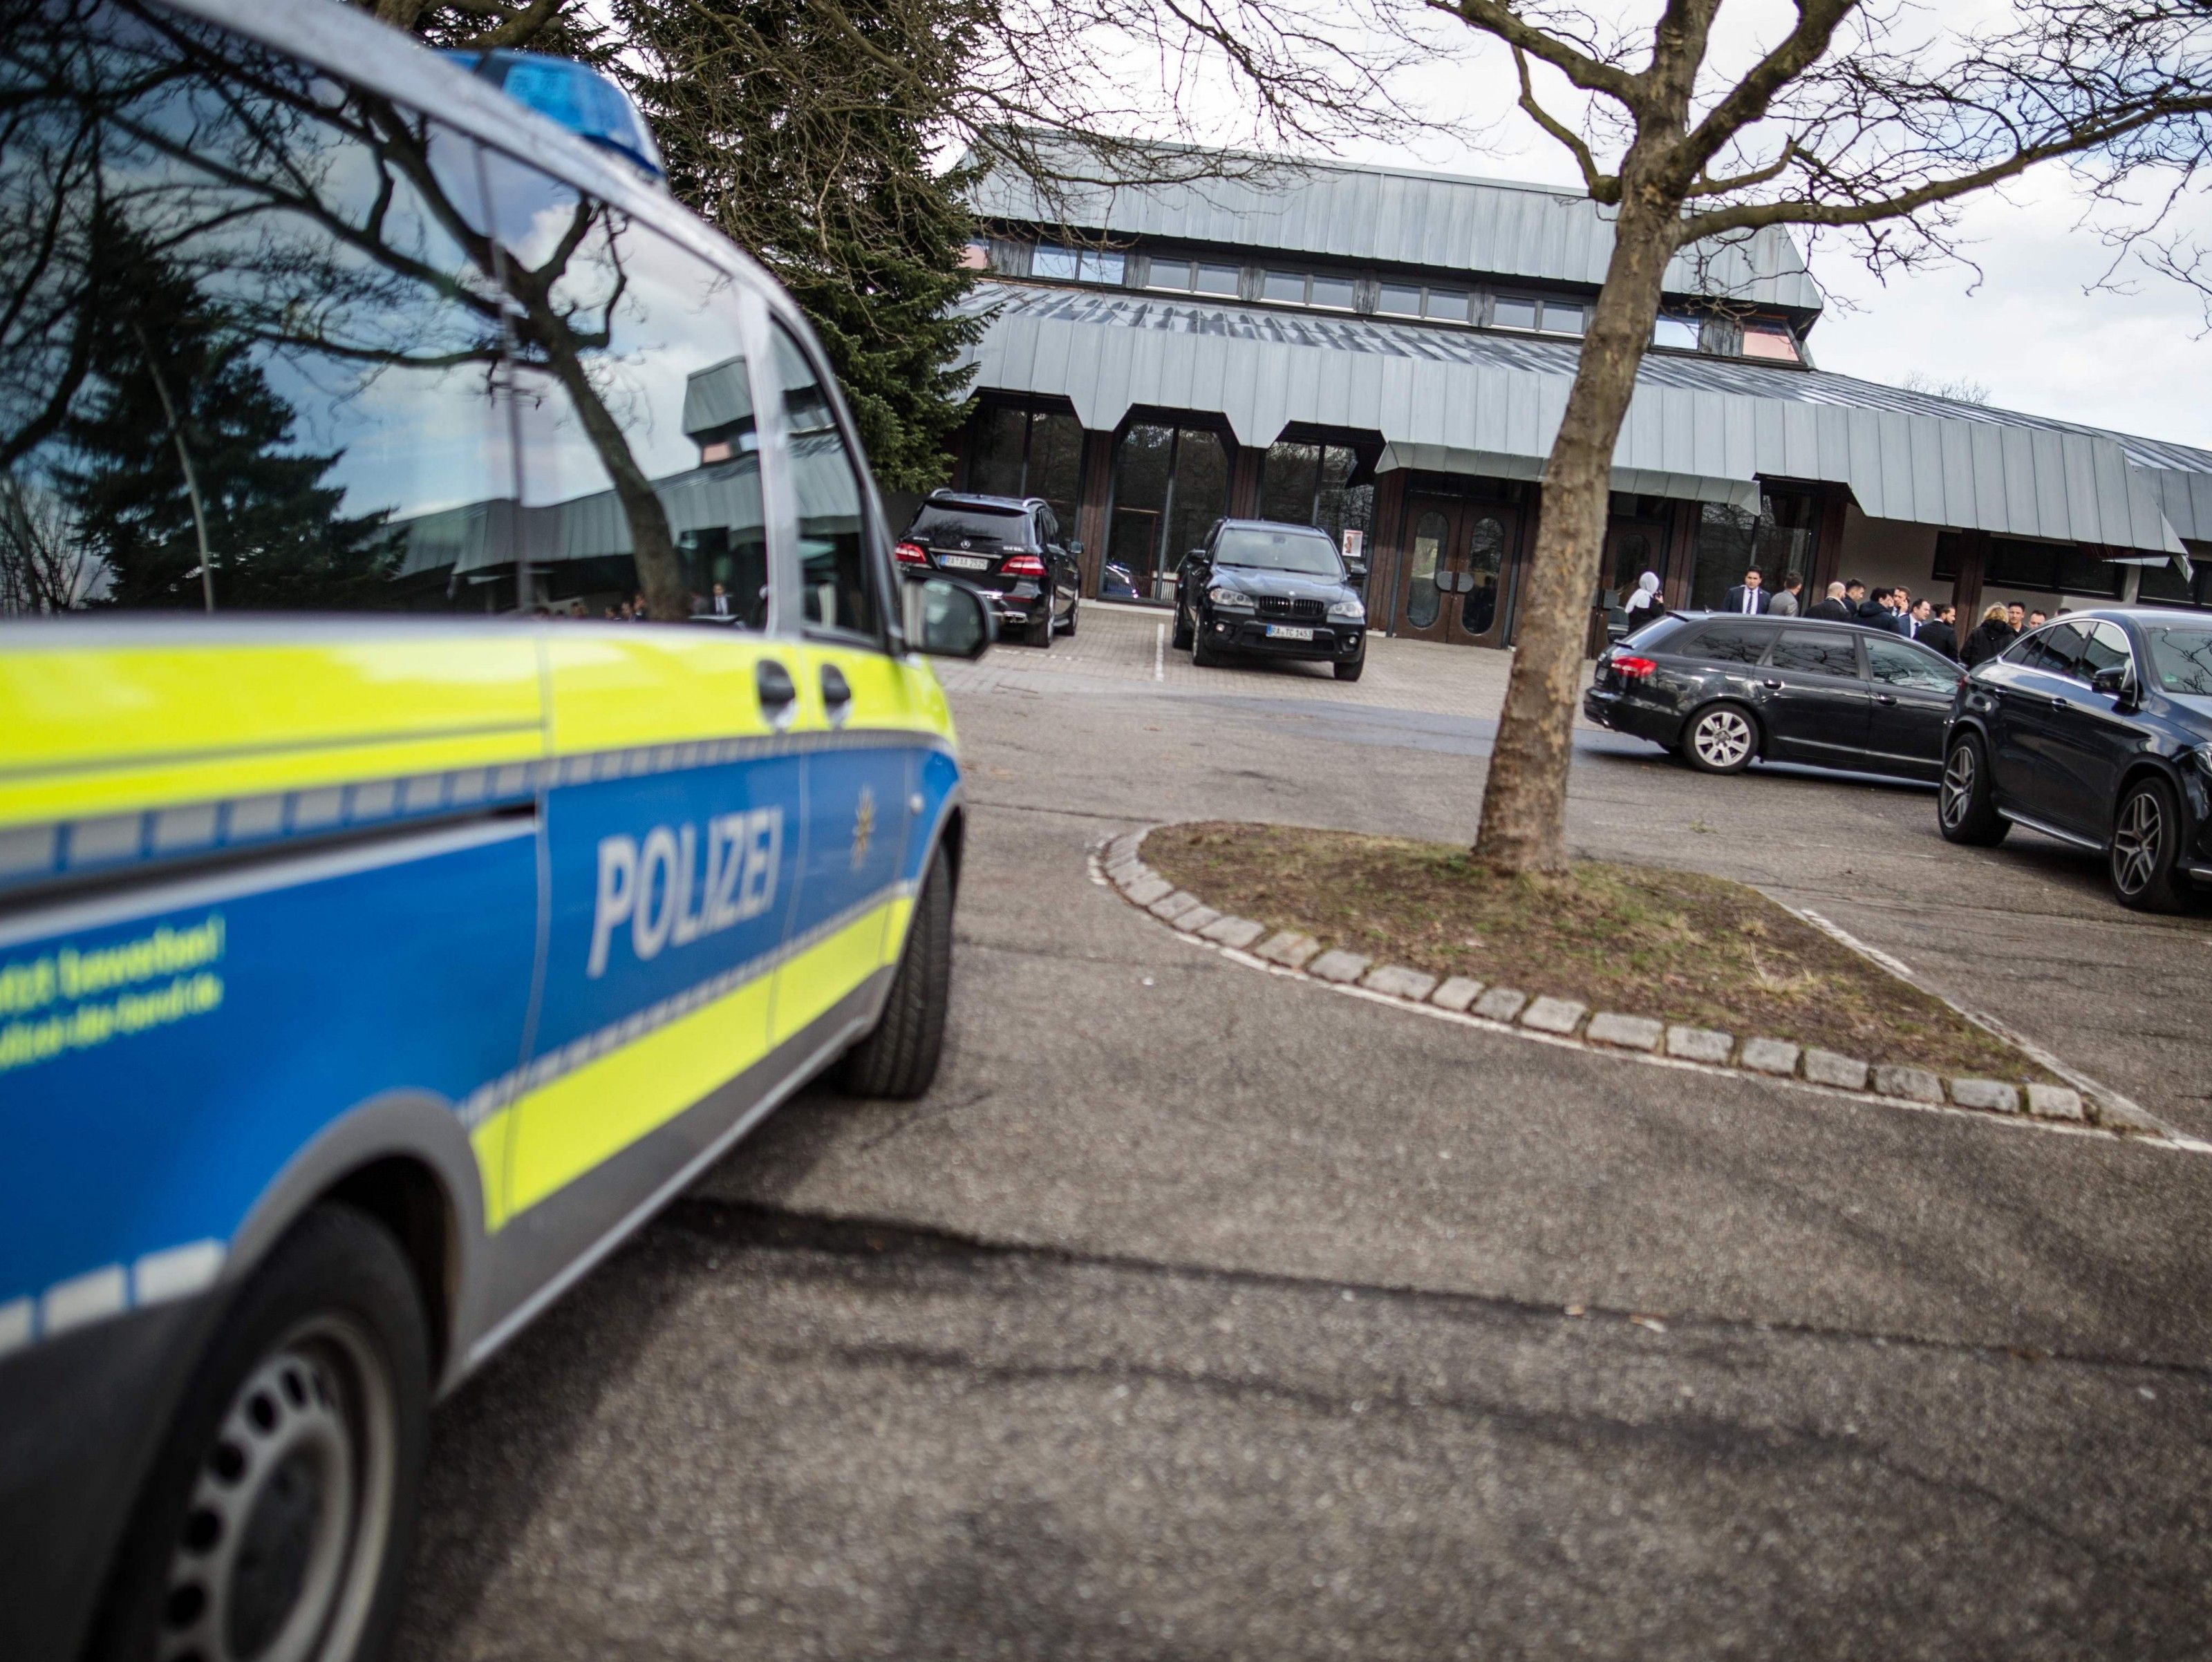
(1160, 653)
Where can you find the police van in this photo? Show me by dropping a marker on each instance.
(388, 924)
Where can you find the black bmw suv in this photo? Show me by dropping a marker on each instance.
(1011, 547)
(1267, 588)
(2096, 729)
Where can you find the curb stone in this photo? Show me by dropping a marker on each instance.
(2056, 1102)
(1288, 948)
(1501, 1004)
(1700, 1044)
(1824, 1067)
(1338, 966)
(1456, 993)
(1233, 931)
(1400, 982)
(1770, 1056)
(2120, 1118)
(1553, 1015)
(1174, 906)
(1145, 890)
(1610, 1027)
(1913, 1084)
(1195, 921)
(1991, 1095)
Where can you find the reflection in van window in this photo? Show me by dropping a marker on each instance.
(639, 459)
(832, 541)
(247, 343)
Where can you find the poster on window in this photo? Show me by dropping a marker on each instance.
(1354, 540)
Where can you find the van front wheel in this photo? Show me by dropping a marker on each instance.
(898, 1057)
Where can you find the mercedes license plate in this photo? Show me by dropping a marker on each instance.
(963, 562)
(1288, 632)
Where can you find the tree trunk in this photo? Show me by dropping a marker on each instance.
(1524, 803)
(651, 543)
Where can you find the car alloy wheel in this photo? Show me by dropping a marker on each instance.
(2136, 842)
(1721, 739)
(290, 1509)
(1960, 779)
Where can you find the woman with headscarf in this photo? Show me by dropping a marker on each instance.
(1990, 637)
(1644, 604)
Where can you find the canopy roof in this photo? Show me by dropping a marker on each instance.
(1699, 427)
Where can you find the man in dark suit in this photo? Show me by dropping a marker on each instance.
(1874, 612)
(1833, 610)
(1931, 630)
(1748, 597)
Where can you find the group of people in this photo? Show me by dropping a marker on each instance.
(1895, 611)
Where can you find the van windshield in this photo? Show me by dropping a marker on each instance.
(1308, 553)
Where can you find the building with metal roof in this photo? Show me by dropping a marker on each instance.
(1387, 354)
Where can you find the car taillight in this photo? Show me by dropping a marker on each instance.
(1632, 668)
(911, 554)
(1022, 564)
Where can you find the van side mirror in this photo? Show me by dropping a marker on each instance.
(946, 619)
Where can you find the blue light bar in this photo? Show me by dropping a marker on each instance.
(581, 99)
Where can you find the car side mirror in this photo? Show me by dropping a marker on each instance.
(1074, 548)
(2113, 681)
(946, 619)
(1356, 569)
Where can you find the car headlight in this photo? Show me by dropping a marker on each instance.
(1228, 597)
(1347, 611)
(2202, 755)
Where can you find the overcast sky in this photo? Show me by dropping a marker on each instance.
(2026, 327)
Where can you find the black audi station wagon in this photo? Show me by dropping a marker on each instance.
(1283, 591)
(1721, 690)
(2096, 729)
(1008, 547)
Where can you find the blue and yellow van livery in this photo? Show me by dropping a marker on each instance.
(366, 975)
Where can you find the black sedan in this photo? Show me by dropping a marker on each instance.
(1280, 591)
(2095, 729)
(1721, 690)
(1009, 546)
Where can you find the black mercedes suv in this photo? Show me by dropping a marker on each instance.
(1009, 546)
(2096, 729)
(1263, 587)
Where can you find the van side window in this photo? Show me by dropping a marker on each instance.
(838, 584)
(246, 352)
(639, 459)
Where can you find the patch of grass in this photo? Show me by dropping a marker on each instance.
(1678, 945)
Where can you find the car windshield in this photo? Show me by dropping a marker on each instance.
(1308, 553)
(2181, 659)
(944, 527)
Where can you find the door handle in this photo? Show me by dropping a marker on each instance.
(836, 694)
(1770, 683)
(1884, 698)
(778, 692)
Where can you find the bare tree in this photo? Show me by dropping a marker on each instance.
(1874, 122)
(43, 568)
(1958, 389)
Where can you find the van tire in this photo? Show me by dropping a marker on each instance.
(311, 1401)
(898, 1057)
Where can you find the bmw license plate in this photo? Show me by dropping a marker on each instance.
(963, 562)
(1288, 632)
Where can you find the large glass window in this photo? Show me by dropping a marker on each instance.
(1027, 452)
(838, 587)
(2050, 568)
(250, 353)
(1550, 317)
(1313, 483)
(1170, 484)
(1780, 539)
(1105, 265)
(1680, 333)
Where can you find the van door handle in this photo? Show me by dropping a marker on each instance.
(778, 693)
(836, 694)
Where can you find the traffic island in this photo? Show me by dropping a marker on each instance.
(1638, 960)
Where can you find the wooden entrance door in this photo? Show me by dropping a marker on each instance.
(1458, 570)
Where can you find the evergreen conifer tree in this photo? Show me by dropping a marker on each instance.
(804, 131)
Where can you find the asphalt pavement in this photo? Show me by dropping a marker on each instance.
(1199, 1312)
